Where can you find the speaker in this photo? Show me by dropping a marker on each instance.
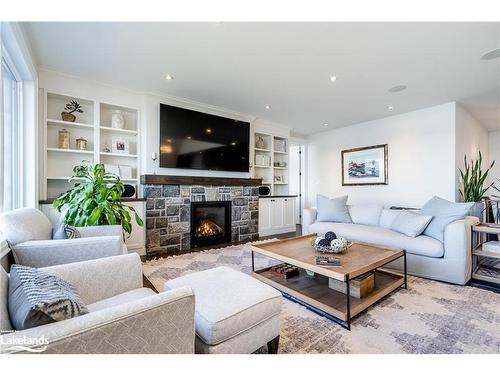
(264, 190)
(129, 191)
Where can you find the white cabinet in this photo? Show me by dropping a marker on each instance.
(276, 215)
(137, 240)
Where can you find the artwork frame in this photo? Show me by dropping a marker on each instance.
(365, 166)
(120, 145)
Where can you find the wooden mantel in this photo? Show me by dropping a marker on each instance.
(158, 179)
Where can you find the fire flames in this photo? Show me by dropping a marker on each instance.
(207, 228)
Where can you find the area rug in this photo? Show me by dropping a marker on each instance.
(429, 317)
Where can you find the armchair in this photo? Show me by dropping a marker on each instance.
(123, 316)
(29, 233)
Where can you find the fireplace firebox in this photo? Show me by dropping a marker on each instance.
(210, 223)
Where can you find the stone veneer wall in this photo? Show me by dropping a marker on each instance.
(168, 214)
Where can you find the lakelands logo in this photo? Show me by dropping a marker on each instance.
(23, 343)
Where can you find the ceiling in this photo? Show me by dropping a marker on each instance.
(246, 66)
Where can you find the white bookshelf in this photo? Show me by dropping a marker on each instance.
(94, 124)
(275, 151)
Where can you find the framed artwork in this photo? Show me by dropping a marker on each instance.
(120, 145)
(365, 166)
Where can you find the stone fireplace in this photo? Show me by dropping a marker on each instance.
(227, 204)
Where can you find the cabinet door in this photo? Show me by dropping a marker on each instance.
(276, 213)
(264, 214)
(289, 211)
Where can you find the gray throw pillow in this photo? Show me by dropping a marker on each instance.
(410, 223)
(334, 209)
(37, 297)
(444, 212)
(71, 232)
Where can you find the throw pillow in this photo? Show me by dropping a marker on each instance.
(410, 223)
(58, 230)
(37, 297)
(444, 212)
(334, 209)
(71, 232)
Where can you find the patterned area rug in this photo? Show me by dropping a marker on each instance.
(428, 317)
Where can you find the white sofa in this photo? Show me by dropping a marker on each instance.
(448, 261)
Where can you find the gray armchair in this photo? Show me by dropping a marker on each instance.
(123, 316)
(29, 233)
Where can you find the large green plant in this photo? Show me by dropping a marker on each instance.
(95, 199)
(473, 179)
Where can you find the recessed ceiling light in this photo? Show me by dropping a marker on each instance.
(493, 54)
(208, 130)
(397, 88)
(325, 124)
(333, 78)
(390, 108)
(267, 107)
(168, 77)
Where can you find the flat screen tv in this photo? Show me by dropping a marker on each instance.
(196, 140)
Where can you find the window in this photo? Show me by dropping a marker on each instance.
(10, 137)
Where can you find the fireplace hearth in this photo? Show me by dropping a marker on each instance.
(210, 223)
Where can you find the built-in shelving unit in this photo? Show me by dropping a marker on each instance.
(94, 125)
(271, 161)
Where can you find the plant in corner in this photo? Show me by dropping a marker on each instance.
(72, 106)
(95, 199)
(473, 183)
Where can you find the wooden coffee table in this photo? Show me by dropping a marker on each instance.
(314, 291)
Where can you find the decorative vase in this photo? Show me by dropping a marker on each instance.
(260, 143)
(117, 120)
(477, 210)
(66, 116)
(81, 144)
(64, 139)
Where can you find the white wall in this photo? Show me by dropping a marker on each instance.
(495, 155)
(470, 138)
(420, 165)
(149, 105)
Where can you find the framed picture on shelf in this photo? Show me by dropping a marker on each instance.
(125, 172)
(365, 166)
(120, 145)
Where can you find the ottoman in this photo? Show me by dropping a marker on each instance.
(234, 313)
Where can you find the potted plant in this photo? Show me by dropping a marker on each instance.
(72, 106)
(95, 200)
(473, 184)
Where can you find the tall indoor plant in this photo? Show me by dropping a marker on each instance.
(95, 199)
(474, 185)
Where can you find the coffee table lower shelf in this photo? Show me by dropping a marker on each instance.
(314, 292)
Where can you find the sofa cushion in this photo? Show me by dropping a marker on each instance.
(5, 324)
(410, 223)
(25, 224)
(421, 245)
(334, 209)
(387, 217)
(228, 302)
(131, 295)
(367, 214)
(444, 213)
(37, 298)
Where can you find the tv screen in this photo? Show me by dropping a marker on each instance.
(196, 140)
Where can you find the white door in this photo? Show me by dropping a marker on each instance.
(289, 211)
(264, 214)
(277, 213)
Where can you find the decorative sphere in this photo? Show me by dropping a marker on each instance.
(330, 236)
(316, 241)
(324, 242)
(339, 244)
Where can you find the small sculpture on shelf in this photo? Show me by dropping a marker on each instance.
(81, 144)
(72, 106)
(259, 143)
(117, 120)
